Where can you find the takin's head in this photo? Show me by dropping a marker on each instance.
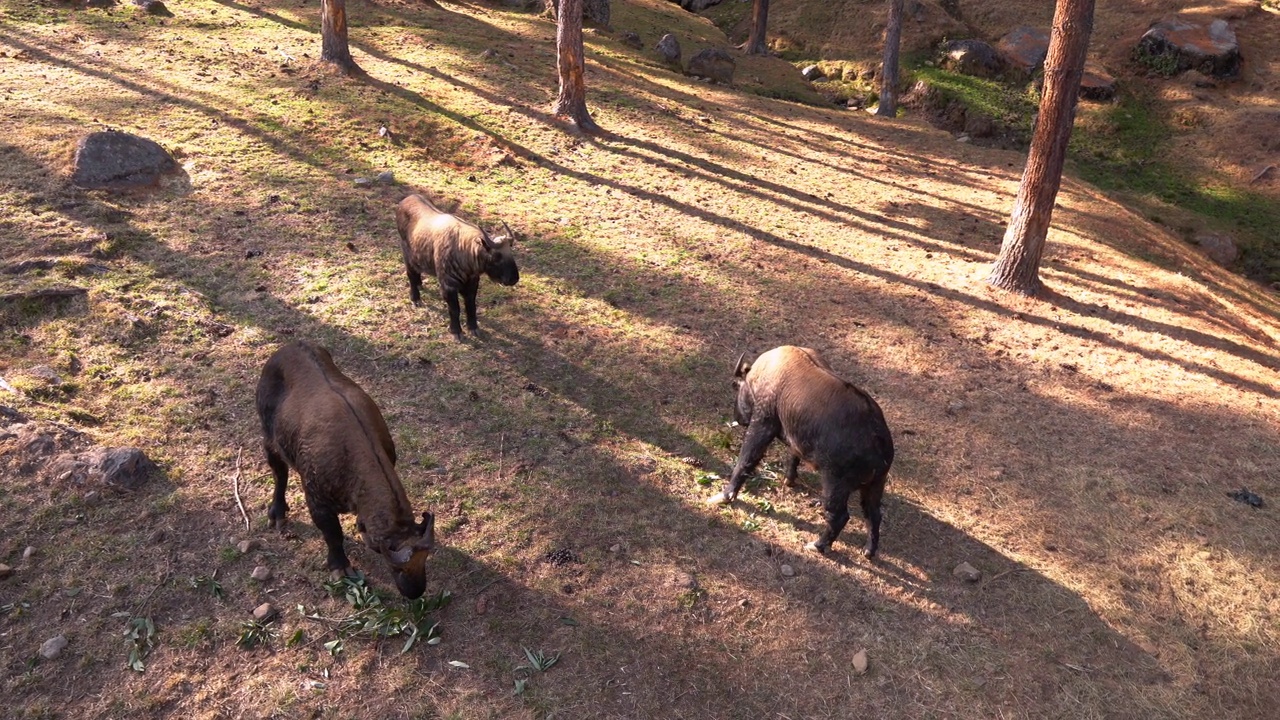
(407, 551)
(502, 258)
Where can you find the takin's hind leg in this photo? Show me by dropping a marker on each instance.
(327, 521)
(835, 506)
(872, 493)
(278, 512)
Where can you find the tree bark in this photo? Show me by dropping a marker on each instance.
(1018, 267)
(889, 72)
(572, 100)
(759, 21)
(333, 34)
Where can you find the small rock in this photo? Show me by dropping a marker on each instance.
(787, 571)
(489, 54)
(262, 573)
(26, 554)
(860, 662)
(616, 547)
(964, 139)
(684, 580)
(363, 181)
(53, 647)
(153, 7)
(972, 57)
(92, 498)
(632, 39)
(46, 374)
(812, 72)
(247, 546)
(743, 603)
(1221, 249)
(956, 406)
(482, 604)
(116, 160)
(967, 572)
(386, 177)
(5, 571)
(1248, 498)
(263, 612)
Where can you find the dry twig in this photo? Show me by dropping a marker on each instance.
(235, 487)
(1261, 173)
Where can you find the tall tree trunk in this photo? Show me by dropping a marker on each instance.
(572, 100)
(759, 21)
(889, 72)
(333, 34)
(1018, 267)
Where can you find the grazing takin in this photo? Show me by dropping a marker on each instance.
(791, 393)
(456, 252)
(320, 423)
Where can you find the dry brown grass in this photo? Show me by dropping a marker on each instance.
(1077, 448)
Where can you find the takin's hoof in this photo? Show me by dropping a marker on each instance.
(815, 547)
(869, 553)
(339, 573)
(719, 499)
(280, 524)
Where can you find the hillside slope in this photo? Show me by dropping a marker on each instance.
(1077, 449)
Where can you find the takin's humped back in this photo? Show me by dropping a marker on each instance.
(320, 423)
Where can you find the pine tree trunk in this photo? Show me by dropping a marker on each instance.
(759, 22)
(1018, 267)
(333, 34)
(889, 72)
(572, 100)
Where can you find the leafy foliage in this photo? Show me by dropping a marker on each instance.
(141, 636)
(374, 619)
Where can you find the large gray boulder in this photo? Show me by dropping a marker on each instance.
(119, 161)
(696, 5)
(123, 467)
(713, 63)
(1178, 44)
(972, 57)
(1024, 49)
(668, 48)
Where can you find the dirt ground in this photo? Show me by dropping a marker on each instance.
(1078, 449)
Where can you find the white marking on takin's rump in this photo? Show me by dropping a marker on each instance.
(791, 393)
(456, 252)
(320, 423)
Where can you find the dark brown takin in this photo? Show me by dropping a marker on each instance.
(320, 423)
(792, 393)
(456, 252)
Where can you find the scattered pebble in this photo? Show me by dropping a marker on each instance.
(53, 647)
(386, 177)
(967, 572)
(262, 573)
(247, 546)
(5, 571)
(743, 603)
(263, 612)
(787, 571)
(1243, 495)
(482, 605)
(26, 554)
(616, 547)
(860, 662)
(684, 580)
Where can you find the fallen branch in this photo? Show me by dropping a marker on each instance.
(1261, 173)
(235, 487)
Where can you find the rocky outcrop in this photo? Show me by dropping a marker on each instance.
(972, 57)
(1178, 44)
(713, 63)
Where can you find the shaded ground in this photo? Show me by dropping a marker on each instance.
(1077, 449)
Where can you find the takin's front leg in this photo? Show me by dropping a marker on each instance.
(759, 434)
(415, 285)
(469, 298)
(455, 324)
(331, 529)
(279, 509)
(793, 471)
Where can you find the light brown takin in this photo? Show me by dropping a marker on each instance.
(456, 252)
(319, 422)
(829, 424)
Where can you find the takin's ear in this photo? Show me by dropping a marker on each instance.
(742, 367)
(487, 241)
(427, 528)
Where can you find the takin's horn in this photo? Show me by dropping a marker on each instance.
(511, 236)
(737, 366)
(400, 556)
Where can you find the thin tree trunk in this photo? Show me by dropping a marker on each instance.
(1018, 267)
(889, 72)
(333, 34)
(572, 100)
(759, 22)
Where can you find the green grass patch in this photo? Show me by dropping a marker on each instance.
(1010, 105)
